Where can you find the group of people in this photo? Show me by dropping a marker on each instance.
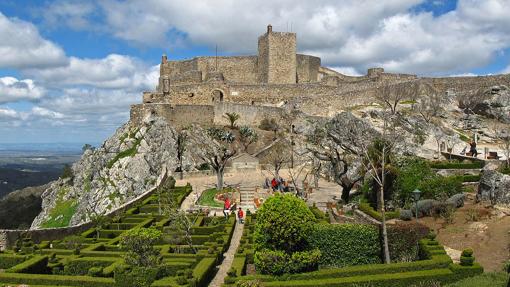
(227, 209)
(277, 184)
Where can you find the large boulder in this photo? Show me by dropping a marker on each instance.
(494, 187)
(493, 102)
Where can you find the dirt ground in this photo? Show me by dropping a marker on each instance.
(488, 235)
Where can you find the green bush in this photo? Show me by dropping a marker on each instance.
(204, 271)
(483, 280)
(346, 244)
(10, 260)
(283, 223)
(403, 239)
(81, 266)
(467, 261)
(440, 187)
(366, 208)
(95, 272)
(55, 280)
(467, 252)
(457, 165)
(135, 276)
(277, 262)
(139, 244)
(36, 265)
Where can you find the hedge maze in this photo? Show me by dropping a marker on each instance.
(85, 260)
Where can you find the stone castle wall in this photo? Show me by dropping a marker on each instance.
(277, 54)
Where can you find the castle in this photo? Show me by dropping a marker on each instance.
(203, 89)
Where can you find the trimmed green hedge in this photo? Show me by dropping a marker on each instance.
(10, 260)
(457, 165)
(346, 244)
(204, 271)
(55, 280)
(37, 264)
(366, 208)
(81, 266)
(239, 264)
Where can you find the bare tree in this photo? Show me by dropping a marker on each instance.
(180, 222)
(277, 157)
(217, 150)
(328, 144)
(373, 149)
(182, 139)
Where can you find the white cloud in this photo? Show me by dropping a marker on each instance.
(12, 89)
(348, 71)
(113, 72)
(7, 113)
(46, 113)
(22, 46)
(72, 14)
(352, 33)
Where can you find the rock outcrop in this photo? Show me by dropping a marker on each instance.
(492, 103)
(494, 187)
(127, 164)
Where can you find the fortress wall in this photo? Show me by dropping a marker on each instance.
(234, 69)
(307, 68)
(263, 60)
(178, 116)
(174, 68)
(463, 84)
(250, 115)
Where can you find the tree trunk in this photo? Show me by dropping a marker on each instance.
(387, 259)
(346, 191)
(219, 177)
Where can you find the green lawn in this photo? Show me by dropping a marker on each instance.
(484, 280)
(207, 197)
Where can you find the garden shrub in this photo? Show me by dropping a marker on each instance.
(139, 244)
(457, 165)
(10, 260)
(81, 266)
(403, 240)
(440, 187)
(277, 262)
(368, 209)
(346, 244)
(135, 276)
(283, 223)
(35, 265)
(204, 271)
(95, 271)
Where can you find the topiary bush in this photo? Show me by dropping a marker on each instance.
(283, 223)
(346, 244)
(467, 258)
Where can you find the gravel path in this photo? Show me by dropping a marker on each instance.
(228, 257)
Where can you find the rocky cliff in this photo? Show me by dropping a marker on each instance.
(127, 164)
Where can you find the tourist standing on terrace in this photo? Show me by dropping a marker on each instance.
(240, 215)
(226, 207)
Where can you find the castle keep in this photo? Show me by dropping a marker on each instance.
(201, 90)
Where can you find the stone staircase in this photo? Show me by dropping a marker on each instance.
(247, 196)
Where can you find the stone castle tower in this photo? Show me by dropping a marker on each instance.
(277, 57)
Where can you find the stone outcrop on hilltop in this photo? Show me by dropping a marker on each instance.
(494, 187)
(493, 102)
(127, 164)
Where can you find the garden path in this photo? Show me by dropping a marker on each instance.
(228, 257)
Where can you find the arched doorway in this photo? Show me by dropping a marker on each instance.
(217, 95)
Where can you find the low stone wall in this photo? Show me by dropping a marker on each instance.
(9, 236)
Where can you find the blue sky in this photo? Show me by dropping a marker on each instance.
(69, 70)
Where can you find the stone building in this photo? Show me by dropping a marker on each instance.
(277, 79)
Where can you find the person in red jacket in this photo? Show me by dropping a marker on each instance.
(240, 215)
(226, 207)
